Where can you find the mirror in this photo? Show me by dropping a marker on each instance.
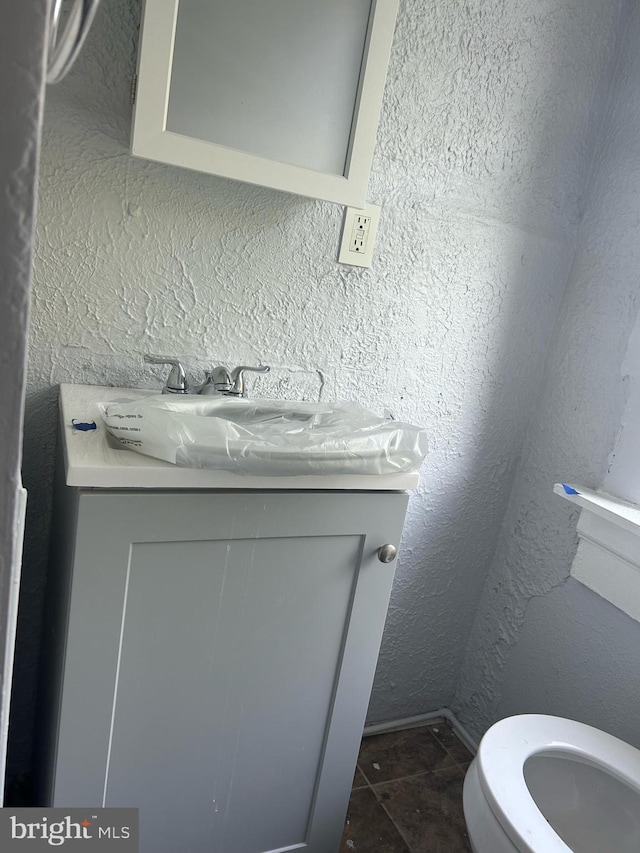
(282, 93)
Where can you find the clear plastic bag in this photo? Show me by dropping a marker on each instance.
(266, 437)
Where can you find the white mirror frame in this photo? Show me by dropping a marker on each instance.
(151, 140)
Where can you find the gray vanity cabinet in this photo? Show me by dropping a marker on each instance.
(220, 650)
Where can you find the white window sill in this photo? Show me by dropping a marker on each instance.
(608, 556)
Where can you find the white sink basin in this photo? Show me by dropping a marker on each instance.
(94, 459)
(266, 437)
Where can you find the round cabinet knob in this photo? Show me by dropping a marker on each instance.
(387, 553)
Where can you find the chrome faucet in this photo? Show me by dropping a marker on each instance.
(230, 383)
(219, 381)
(177, 382)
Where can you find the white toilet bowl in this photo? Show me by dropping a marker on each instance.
(544, 784)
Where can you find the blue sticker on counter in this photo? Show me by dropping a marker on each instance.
(76, 424)
(569, 490)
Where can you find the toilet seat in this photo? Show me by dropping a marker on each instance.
(501, 758)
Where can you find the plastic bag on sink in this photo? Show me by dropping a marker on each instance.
(266, 437)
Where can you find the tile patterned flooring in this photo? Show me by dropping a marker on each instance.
(407, 793)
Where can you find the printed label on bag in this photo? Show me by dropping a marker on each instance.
(127, 433)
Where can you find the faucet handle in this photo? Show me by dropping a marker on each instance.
(177, 380)
(237, 378)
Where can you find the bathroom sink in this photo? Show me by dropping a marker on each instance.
(94, 458)
(266, 437)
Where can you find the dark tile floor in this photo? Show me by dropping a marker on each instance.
(407, 793)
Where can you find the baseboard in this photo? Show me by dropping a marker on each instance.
(421, 720)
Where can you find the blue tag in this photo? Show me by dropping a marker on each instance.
(569, 490)
(76, 424)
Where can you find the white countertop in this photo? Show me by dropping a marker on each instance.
(92, 461)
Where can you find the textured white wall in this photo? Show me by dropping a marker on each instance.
(21, 40)
(623, 476)
(481, 162)
(542, 642)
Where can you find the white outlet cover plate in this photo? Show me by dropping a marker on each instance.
(359, 235)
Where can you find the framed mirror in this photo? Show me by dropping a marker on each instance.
(281, 93)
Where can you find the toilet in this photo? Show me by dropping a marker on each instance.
(542, 784)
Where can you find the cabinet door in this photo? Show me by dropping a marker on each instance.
(220, 655)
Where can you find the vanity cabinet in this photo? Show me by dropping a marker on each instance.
(216, 651)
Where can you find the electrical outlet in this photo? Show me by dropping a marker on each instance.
(359, 235)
